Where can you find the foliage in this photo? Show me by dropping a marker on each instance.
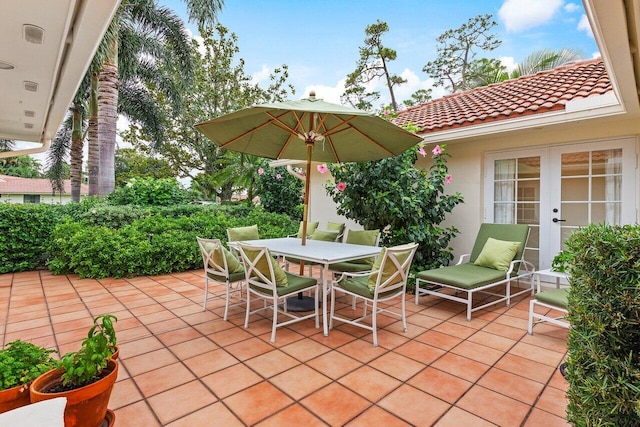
(22, 362)
(279, 191)
(20, 166)
(407, 203)
(562, 261)
(603, 367)
(373, 64)
(418, 97)
(153, 244)
(545, 59)
(83, 366)
(456, 52)
(149, 191)
(24, 229)
(220, 86)
(132, 163)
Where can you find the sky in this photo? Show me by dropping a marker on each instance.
(319, 39)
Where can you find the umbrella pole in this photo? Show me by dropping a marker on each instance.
(300, 303)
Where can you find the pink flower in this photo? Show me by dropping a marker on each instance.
(260, 171)
(422, 152)
(278, 176)
(387, 112)
(341, 186)
(322, 168)
(436, 150)
(448, 179)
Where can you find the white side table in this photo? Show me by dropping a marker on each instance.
(551, 273)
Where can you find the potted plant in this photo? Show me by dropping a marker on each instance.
(86, 377)
(21, 363)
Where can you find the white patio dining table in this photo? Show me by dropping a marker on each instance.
(317, 251)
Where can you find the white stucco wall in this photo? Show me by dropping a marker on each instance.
(44, 198)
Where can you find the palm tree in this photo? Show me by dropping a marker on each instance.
(161, 25)
(545, 59)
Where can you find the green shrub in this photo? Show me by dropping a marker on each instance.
(149, 192)
(603, 367)
(154, 244)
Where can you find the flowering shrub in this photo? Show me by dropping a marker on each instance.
(279, 191)
(407, 203)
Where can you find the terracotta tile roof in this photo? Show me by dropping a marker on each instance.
(15, 185)
(538, 93)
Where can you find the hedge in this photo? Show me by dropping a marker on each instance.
(603, 367)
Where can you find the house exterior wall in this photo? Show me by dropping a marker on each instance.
(44, 198)
(467, 167)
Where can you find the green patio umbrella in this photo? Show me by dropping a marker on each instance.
(311, 130)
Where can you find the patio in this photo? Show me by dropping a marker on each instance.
(180, 366)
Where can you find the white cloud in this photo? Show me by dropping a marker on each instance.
(571, 7)
(327, 93)
(509, 62)
(261, 76)
(520, 15)
(584, 25)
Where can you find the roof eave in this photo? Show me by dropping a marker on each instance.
(573, 113)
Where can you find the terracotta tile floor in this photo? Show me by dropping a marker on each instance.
(184, 367)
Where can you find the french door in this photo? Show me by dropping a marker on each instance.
(559, 189)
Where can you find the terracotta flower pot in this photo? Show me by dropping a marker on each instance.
(86, 406)
(14, 397)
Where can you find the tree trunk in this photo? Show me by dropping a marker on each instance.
(75, 174)
(94, 148)
(107, 120)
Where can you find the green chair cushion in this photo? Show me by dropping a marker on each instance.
(336, 226)
(554, 297)
(263, 267)
(497, 254)
(349, 267)
(389, 267)
(465, 276)
(325, 236)
(311, 227)
(295, 284)
(363, 237)
(360, 286)
(233, 264)
(233, 277)
(243, 233)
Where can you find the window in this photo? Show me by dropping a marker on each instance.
(32, 198)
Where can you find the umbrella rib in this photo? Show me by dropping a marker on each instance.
(276, 122)
(348, 125)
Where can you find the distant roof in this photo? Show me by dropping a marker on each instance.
(15, 185)
(538, 93)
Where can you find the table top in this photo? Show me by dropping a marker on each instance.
(315, 250)
(552, 273)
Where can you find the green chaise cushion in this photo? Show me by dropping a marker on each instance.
(465, 276)
(554, 297)
(497, 254)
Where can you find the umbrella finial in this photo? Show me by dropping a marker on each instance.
(312, 95)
